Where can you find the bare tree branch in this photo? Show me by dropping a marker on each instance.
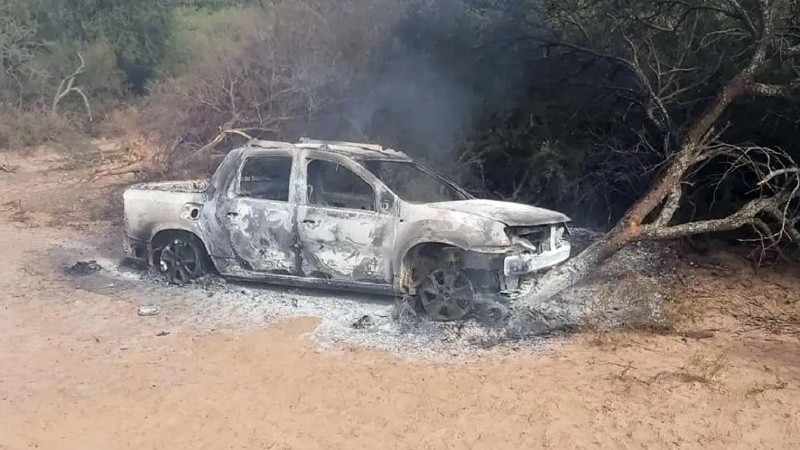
(772, 90)
(740, 218)
(66, 87)
(214, 142)
(670, 207)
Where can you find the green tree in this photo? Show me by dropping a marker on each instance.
(17, 48)
(135, 31)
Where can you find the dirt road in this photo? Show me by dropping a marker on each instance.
(80, 369)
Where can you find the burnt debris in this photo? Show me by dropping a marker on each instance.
(83, 268)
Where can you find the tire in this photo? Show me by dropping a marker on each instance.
(446, 295)
(183, 259)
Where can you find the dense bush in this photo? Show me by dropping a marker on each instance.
(269, 72)
(135, 31)
(121, 42)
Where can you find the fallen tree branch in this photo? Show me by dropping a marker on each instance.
(216, 141)
(771, 90)
(777, 173)
(740, 218)
(670, 206)
(775, 177)
(136, 167)
(6, 167)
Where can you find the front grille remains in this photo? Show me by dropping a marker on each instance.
(538, 236)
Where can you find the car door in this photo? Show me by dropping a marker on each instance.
(260, 214)
(345, 233)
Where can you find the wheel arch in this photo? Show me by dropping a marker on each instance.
(162, 237)
(412, 265)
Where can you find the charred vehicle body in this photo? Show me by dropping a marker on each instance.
(344, 215)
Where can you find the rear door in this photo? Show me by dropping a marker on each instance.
(260, 215)
(345, 233)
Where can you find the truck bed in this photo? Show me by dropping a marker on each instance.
(189, 186)
(150, 207)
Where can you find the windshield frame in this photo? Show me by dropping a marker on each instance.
(421, 167)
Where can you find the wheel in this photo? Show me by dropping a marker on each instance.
(446, 294)
(182, 260)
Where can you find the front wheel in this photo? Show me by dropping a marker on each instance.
(446, 294)
(182, 260)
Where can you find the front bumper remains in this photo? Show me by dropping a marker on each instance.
(525, 263)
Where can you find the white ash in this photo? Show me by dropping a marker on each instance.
(637, 277)
(345, 319)
(213, 304)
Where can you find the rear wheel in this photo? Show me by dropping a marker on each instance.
(182, 260)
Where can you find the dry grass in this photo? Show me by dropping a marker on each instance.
(136, 154)
(17, 213)
(6, 167)
(765, 387)
(702, 367)
(121, 122)
(30, 128)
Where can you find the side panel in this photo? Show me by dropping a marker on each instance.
(422, 224)
(149, 211)
(340, 244)
(249, 234)
(261, 235)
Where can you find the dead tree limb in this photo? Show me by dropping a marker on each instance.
(133, 168)
(214, 142)
(67, 85)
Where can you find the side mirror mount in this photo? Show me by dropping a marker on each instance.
(385, 202)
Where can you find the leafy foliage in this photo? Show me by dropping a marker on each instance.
(136, 32)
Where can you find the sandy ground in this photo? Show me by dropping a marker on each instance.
(80, 369)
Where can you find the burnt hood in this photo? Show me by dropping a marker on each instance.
(511, 214)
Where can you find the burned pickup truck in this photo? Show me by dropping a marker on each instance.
(343, 215)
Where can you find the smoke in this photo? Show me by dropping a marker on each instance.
(444, 66)
(414, 105)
